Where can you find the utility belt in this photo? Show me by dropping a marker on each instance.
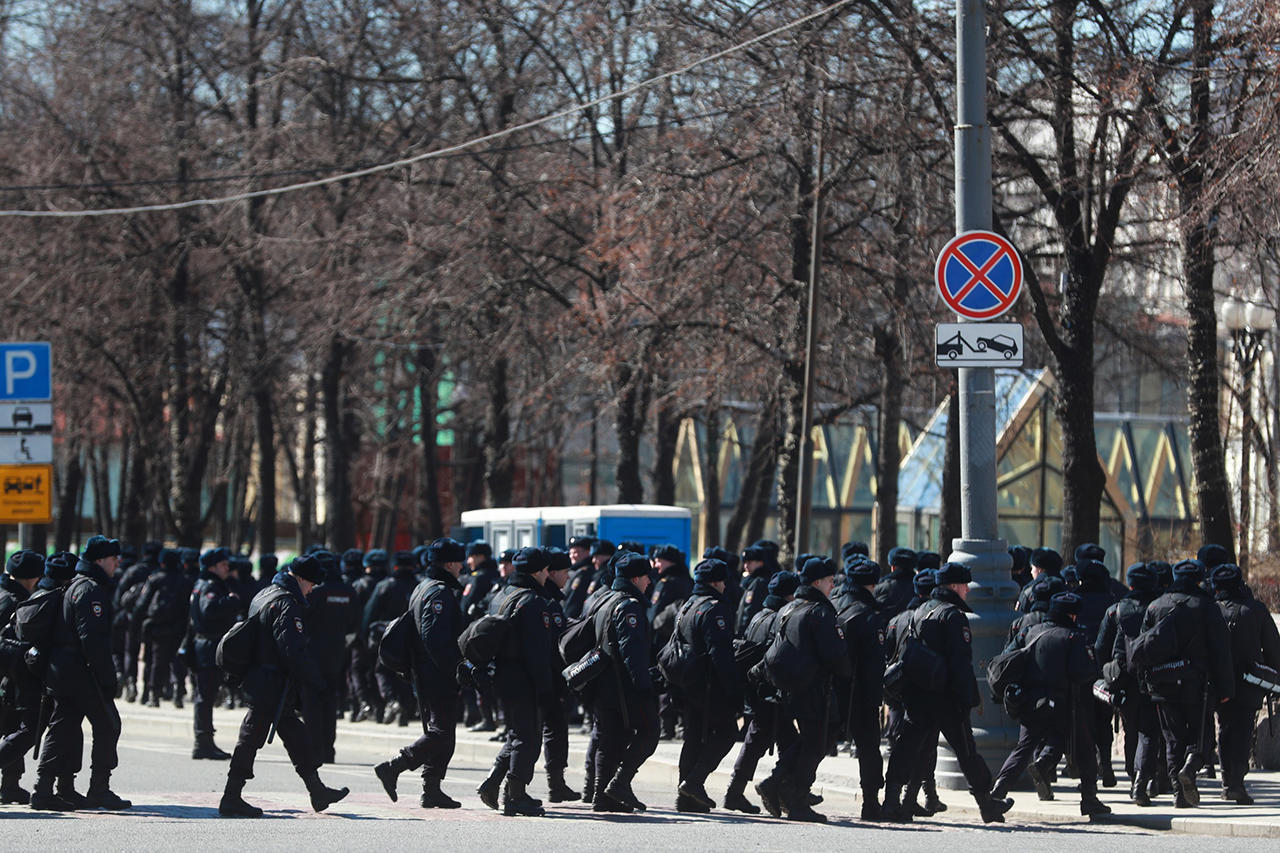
(1263, 676)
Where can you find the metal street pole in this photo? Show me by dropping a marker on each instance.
(979, 546)
(804, 482)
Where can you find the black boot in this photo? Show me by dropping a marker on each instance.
(770, 791)
(387, 773)
(516, 803)
(322, 796)
(619, 789)
(232, 805)
(798, 808)
(1187, 780)
(557, 790)
(1231, 793)
(1091, 806)
(491, 787)
(1139, 792)
(10, 790)
(871, 804)
(991, 809)
(589, 780)
(44, 799)
(696, 792)
(67, 791)
(1106, 773)
(894, 811)
(434, 798)
(931, 801)
(130, 692)
(1040, 778)
(205, 748)
(735, 798)
(101, 796)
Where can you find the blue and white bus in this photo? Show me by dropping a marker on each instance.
(548, 526)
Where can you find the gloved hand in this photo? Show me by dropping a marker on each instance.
(464, 675)
(659, 680)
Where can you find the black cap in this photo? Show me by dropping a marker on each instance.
(711, 571)
(582, 542)
(950, 573)
(530, 561)
(1213, 556)
(1226, 576)
(671, 554)
(352, 557)
(1047, 560)
(752, 553)
(1090, 551)
(406, 560)
(603, 548)
(60, 566)
(1141, 577)
(1047, 587)
(376, 558)
(928, 560)
(507, 555)
(628, 564)
(446, 550)
(784, 583)
(480, 547)
(817, 568)
(924, 581)
(849, 548)
(862, 572)
(902, 558)
(213, 556)
(1192, 570)
(25, 565)
(170, 558)
(99, 548)
(558, 559)
(308, 568)
(1065, 604)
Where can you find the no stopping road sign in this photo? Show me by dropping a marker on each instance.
(979, 275)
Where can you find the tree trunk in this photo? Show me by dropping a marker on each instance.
(888, 456)
(339, 517)
(632, 402)
(430, 522)
(710, 462)
(761, 464)
(1082, 475)
(498, 465)
(666, 434)
(68, 520)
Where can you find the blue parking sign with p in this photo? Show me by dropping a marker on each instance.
(25, 371)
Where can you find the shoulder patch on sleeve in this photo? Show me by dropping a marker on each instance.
(655, 596)
(750, 594)
(964, 632)
(632, 621)
(97, 609)
(546, 619)
(437, 606)
(297, 623)
(466, 590)
(720, 623)
(840, 632)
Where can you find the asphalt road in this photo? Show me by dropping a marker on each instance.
(175, 808)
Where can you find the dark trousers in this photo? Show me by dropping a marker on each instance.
(623, 744)
(1180, 725)
(524, 727)
(555, 733)
(17, 735)
(161, 652)
(392, 686)
(364, 690)
(64, 741)
(1235, 737)
(770, 726)
(710, 731)
(669, 711)
(1103, 736)
(1141, 722)
(207, 682)
(132, 652)
(434, 750)
(865, 732)
(320, 713)
(922, 721)
(253, 736)
(798, 764)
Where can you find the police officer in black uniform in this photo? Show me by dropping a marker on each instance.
(895, 590)
(212, 609)
(1042, 590)
(128, 587)
(769, 725)
(82, 679)
(1096, 598)
(756, 574)
(555, 711)
(438, 622)
(711, 704)
(20, 704)
(1121, 623)
(1254, 640)
(522, 679)
(943, 627)
(361, 685)
(863, 624)
(809, 627)
(160, 617)
(282, 669)
(1044, 561)
(1059, 665)
(333, 620)
(624, 699)
(352, 565)
(581, 570)
(389, 599)
(1205, 647)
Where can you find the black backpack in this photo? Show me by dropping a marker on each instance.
(787, 666)
(1005, 674)
(399, 640)
(914, 664)
(35, 618)
(1157, 645)
(680, 662)
(489, 636)
(235, 651)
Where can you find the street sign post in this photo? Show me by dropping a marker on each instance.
(26, 494)
(979, 275)
(979, 344)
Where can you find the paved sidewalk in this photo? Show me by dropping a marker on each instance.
(838, 776)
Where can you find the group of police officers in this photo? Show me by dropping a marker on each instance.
(638, 648)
